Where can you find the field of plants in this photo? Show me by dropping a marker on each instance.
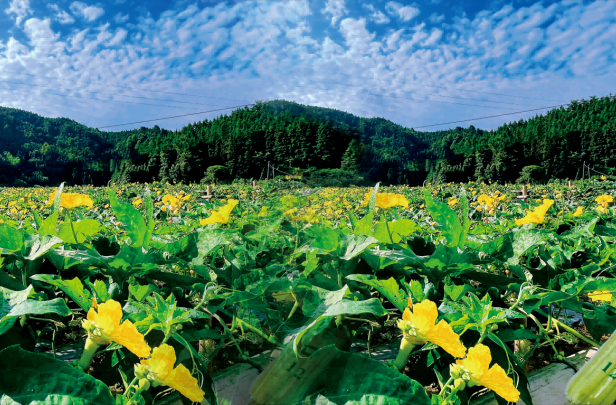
(159, 287)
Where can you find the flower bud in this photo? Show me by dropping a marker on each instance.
(459, 384)
(141, 371)
(144, 384)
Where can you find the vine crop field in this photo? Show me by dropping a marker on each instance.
(158, 289)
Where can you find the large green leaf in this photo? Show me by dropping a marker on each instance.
(36, 379)
(73, 288)
(389, 288)
(11, 240)
(361, 381)
(446, 218)
(397, 230)
(83, 229)
(14, 304)
(130, 217)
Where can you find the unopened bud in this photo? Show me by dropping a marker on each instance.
(144, 384)
(459, 384)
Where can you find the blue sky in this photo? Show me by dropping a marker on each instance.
(415, 63)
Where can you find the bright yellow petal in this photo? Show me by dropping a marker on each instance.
(128, 336)
(406, 315)
(477, 361)
(600, 296)
(181, 380)
(497, 380)
(443, 336)
(423, 317)
(108, 316)
(162, 361)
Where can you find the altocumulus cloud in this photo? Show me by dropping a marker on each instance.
(361, 57)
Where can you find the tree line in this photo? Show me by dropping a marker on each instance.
(46, 151)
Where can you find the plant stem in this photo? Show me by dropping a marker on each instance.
(70, 220)
(572, 331)
(387, 226)
(88, 354)
(406, 348)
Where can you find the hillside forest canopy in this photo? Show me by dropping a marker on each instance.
(318, 142)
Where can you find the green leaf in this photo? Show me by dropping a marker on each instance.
(364, 225)
(466, 221)
(48, 225)
(142, 291)
(389, 288)
(509, 335)
(57, 200)
(41, 245)
(83, 229)
(11, 240)
(398, 229)
(361, 381)
(355, 244)
(372, 201)
(446, 218)
(457, 291)
(73, 288)
(130, 217)
(14, 304)
(100, 290)
(149, 212)
(36, 379)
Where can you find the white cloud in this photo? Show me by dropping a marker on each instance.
(336, 8)
(21, 8)
(435, 35)
(118, 37)
(62, 16)
(90, 13)
(560, 51)
(119, 18)
(405, 13)
(435, 18)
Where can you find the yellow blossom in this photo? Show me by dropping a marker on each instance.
(263, 212)
(388, 200)
(72, 200)
(477, 364)
(137, 202)
(601, 296)
(419, 326)
(537, 215)
(222, 215)
(578, 211)
(452, 202)
(159, 369)
(103, 327)
(604, 200)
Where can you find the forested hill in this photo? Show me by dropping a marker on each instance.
(38, 150)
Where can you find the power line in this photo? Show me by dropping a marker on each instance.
(441, 87)
(404, 98)
(101, 92)
(121, 87)
(175, 116)
(98, 99)
(423, 94)
(491, 116)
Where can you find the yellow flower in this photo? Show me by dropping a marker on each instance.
(388, 200)
(452, 202)
(602, 210)
(477, 364)
(263, 212)
(601, 296)
(170, 200)
(420, 326)
(160, 370)
(604, 200)
(578, 211)
(421, 206)
(103, 327)
(222, 215)
(137, 202)
(603, 178)
(72, 200)
(537, 215)
(558, 195)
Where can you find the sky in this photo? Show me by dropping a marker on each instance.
(421, 64)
